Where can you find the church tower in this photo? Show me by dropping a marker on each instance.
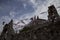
(52, 13)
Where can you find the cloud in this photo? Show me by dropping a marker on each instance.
(42, 6)
(5, 19)
(25, 9)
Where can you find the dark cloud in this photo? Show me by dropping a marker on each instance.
(15, 5)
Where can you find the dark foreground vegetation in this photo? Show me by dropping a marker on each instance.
(37, 29)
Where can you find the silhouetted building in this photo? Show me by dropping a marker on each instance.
(52, 13)
(38, 29)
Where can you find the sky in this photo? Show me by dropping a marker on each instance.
(24, 9)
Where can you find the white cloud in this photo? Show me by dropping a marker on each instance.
(5, 19)
(43, 7)
(39, 8)
(12, 14)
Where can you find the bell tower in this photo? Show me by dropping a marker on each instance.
(52, 13)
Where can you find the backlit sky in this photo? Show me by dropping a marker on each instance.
(22, 9)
